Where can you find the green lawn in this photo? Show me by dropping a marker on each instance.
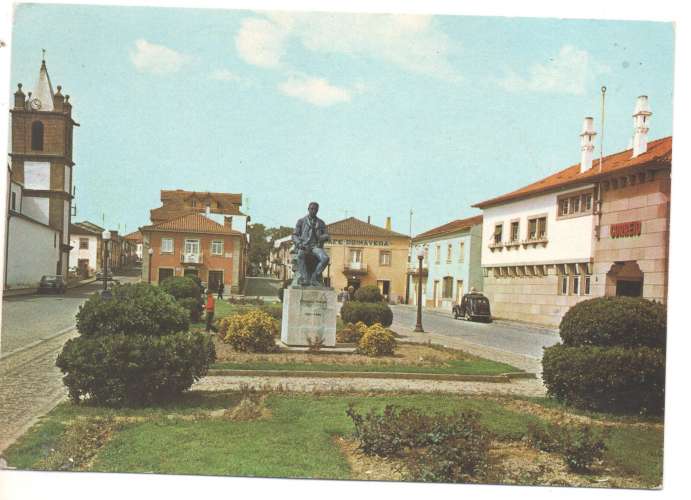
(454, 366)
(296, 440)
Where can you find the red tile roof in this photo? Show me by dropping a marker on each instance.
(191, 223)
(659, 152)
(223, 198)
(355, 227)
(450, 227)
(134, 236)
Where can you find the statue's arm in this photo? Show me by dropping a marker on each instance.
(324, 236)
(297, 233)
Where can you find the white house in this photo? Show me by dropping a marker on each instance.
(592, 229)
(85, 255)
(451, 266)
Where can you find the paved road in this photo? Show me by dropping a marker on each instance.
(504, 335)
(30, 318)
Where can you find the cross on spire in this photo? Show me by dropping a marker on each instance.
(44, 54)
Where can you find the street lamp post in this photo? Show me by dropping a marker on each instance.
(420, 256)
(151, 253)
(106, 238)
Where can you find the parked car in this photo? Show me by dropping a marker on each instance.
(52, 283)
(473, 306)
(99, 275)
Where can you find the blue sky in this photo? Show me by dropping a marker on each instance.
(367, 114)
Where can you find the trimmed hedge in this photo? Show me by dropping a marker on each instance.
(134, 370)
(619, 379)
(615, 321)
(181, 287)
(368, 293)
(353, 311)
(133, 309)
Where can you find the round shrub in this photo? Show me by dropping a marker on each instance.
(133, 309)
(133, 370)
(615, 321)
(273, 310)
(181, 287)
(191, 304)
(351, 333)
(377, 341)
(369, 293)
(369, 313)
(614, 379)
(253, 331)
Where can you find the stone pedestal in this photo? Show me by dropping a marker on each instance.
(308, 313)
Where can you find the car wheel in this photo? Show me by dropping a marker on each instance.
(467, 316)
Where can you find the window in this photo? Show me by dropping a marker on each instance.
(83, 243)
(576, 281)
(192, 247)
(384, 258)
(563, 206)
(447, 290)
(514, 231)
(449, 252)
(14, 201)
(355, 255)
(587, 202)
(497, 233)
(167, 245)
(564, 285)
(461, 251)
(165, 272)
(537, 228)
(437, 254)
(37, 136)
(575, 204)
(217, 247)
(426, 255)
(194, 203)
(586, 284)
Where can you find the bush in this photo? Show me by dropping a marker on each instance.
(192, 305)
(377, 341)
(351, 333)
(615, 321)
(580, 446)
(134, 309)
(123, 369)
(369, 313)
(444, 448)
(273, 310)
(369, 293)
(253, 331)
(616, 379)
(246, 301)
(181, 287)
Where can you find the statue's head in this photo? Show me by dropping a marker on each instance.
(313, 208)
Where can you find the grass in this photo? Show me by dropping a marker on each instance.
(454, 366)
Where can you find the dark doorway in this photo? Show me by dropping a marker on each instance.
(385, 288)
(215, 279)
(354, 282)
(83, 267)
(191, 272)
(163, 274)
(626, 288)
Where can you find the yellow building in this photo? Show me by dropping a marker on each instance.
(364, 254)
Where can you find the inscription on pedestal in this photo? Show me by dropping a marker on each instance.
(309, 313)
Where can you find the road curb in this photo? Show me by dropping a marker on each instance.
(499, 379)
(37, 342)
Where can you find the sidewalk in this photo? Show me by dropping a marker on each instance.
(14, 292)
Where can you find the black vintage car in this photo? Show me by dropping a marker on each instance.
(473, 306)
(52, 283)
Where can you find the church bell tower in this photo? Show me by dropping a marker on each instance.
(41, 157)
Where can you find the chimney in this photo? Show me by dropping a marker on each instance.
(641, 122)
(368, 219)
(587, 146)
(388, 223)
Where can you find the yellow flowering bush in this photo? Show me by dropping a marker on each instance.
(351, 333)
(377, 341)
(253, 331)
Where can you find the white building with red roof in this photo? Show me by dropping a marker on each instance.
(596, 228)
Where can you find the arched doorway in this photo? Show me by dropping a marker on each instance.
(624, 279)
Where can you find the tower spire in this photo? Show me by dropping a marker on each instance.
(43, 92)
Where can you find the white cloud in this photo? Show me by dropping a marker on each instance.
(260, 42)
(569, 72)
(157, 59)
(226, 75)
(317, 91)
(411, 42)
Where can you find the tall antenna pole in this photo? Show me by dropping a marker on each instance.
(410, 227)
(602, 125)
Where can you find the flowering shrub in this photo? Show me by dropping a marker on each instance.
(253, 331)
(377, 341)
(351, 333)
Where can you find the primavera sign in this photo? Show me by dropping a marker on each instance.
(625, 229)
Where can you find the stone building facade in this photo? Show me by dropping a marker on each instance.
(592, 229)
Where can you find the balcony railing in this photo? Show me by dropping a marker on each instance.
(414, 269)
(192, 258)
(355, 268)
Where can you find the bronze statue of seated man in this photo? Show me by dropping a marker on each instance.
(308, 239)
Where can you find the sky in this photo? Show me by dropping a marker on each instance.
(370, 115)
